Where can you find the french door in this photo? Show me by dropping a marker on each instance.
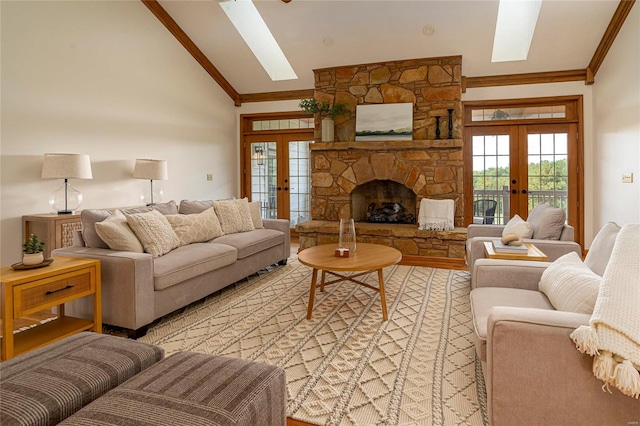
(278, 175)
(512, 167)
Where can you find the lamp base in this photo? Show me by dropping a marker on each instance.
(65, 211)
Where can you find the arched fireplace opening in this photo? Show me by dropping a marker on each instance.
(383, 201)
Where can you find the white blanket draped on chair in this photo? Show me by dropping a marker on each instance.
(613, 334)
(436, 215)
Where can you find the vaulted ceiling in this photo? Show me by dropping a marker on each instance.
(319, 33)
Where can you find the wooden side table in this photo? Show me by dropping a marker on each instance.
(56, 230)
(27, 291)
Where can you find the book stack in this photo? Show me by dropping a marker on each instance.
(498, 247)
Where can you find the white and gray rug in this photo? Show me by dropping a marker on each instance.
(346, 366)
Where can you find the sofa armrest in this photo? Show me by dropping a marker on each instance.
(522, 274)
(127, 287)
(494, 231)
(284, 226)
(535, 374)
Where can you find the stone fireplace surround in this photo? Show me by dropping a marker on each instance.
(427, 167)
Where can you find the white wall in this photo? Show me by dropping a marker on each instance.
(106, 79)
(617, 128)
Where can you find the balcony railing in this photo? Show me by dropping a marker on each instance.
(502, 197)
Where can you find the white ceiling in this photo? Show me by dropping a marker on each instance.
(363, 31)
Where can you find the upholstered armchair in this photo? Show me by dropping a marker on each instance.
(534, 373)
(549, 233)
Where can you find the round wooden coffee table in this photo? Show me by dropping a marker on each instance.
(367, 258)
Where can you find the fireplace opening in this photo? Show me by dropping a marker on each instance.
(383, 201)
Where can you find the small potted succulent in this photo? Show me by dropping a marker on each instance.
(32, 251)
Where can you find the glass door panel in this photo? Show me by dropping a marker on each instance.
(264, 178)
(491, 175)
(548, 177)
(299, 182)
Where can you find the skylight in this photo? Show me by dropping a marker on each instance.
(514, 29)
(245, 17)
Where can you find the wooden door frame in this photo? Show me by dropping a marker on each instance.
(574, 115)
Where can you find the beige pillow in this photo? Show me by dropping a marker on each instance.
(195, 228)
(601, 248)
(570, 285)
(234, 215)
(256, 216)
(115, 231)
(518, 226)
(154, 232)
(547, 222)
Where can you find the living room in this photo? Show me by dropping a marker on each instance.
(108, 80)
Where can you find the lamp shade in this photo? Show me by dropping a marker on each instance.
(66, 166)
(151, 169)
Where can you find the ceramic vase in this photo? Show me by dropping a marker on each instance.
(32, 258)
(347, 236)
(327, 129)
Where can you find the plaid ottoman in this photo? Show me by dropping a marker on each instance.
(193, 389)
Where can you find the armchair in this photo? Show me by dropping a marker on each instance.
(533, 372)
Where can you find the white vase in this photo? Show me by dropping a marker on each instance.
(32, 258)
(327, 129)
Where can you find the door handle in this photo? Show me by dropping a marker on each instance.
(524, 191)
(514, 191)
(279, 189)
(286, 188)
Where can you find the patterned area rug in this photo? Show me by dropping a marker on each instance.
(346, 366)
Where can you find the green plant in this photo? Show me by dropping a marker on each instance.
(33, 245)
(312, 106)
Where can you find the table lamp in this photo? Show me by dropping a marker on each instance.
(66, 199)
(152, 170)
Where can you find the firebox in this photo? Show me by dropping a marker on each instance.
(383, 201)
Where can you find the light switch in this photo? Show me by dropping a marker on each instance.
(627, 178)
(209, 177)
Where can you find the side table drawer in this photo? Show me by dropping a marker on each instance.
(48, 292)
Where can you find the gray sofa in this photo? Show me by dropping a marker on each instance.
(534, 373)
(137, 288)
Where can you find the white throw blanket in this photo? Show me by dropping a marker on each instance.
(613, 334)
(436, 214)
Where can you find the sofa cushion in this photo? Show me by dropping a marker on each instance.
(154, 232)
(191, 207)
(547, 222)
(570, 285)
(190, 261)
(234, 215)
(518, 226)
(485, 298)
(89, 218)
(115, 231)
(256, 216)
(197, 227)
(44, 386)
(600, 251)
(252, 242)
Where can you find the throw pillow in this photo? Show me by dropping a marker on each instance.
(234, 215)
(191, 207)
(154, 232)
(547, 222)
(601, 248)
(570, 285)
(89, 218)
(195, 228)
(518, 226)
(256, 217)
(115, 231)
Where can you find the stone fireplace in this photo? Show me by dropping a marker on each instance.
(354, 178)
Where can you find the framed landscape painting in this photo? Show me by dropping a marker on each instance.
(384, 122)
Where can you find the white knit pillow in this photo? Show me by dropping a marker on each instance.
(518, 226)
(570, 285)
(234, 215)
(115, 231)
(195, 228)
(154, 232)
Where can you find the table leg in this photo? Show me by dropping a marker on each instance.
(312, 292)
(322, 280)
(383, 299)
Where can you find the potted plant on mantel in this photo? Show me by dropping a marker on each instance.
(312, 106)
(32, 251)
